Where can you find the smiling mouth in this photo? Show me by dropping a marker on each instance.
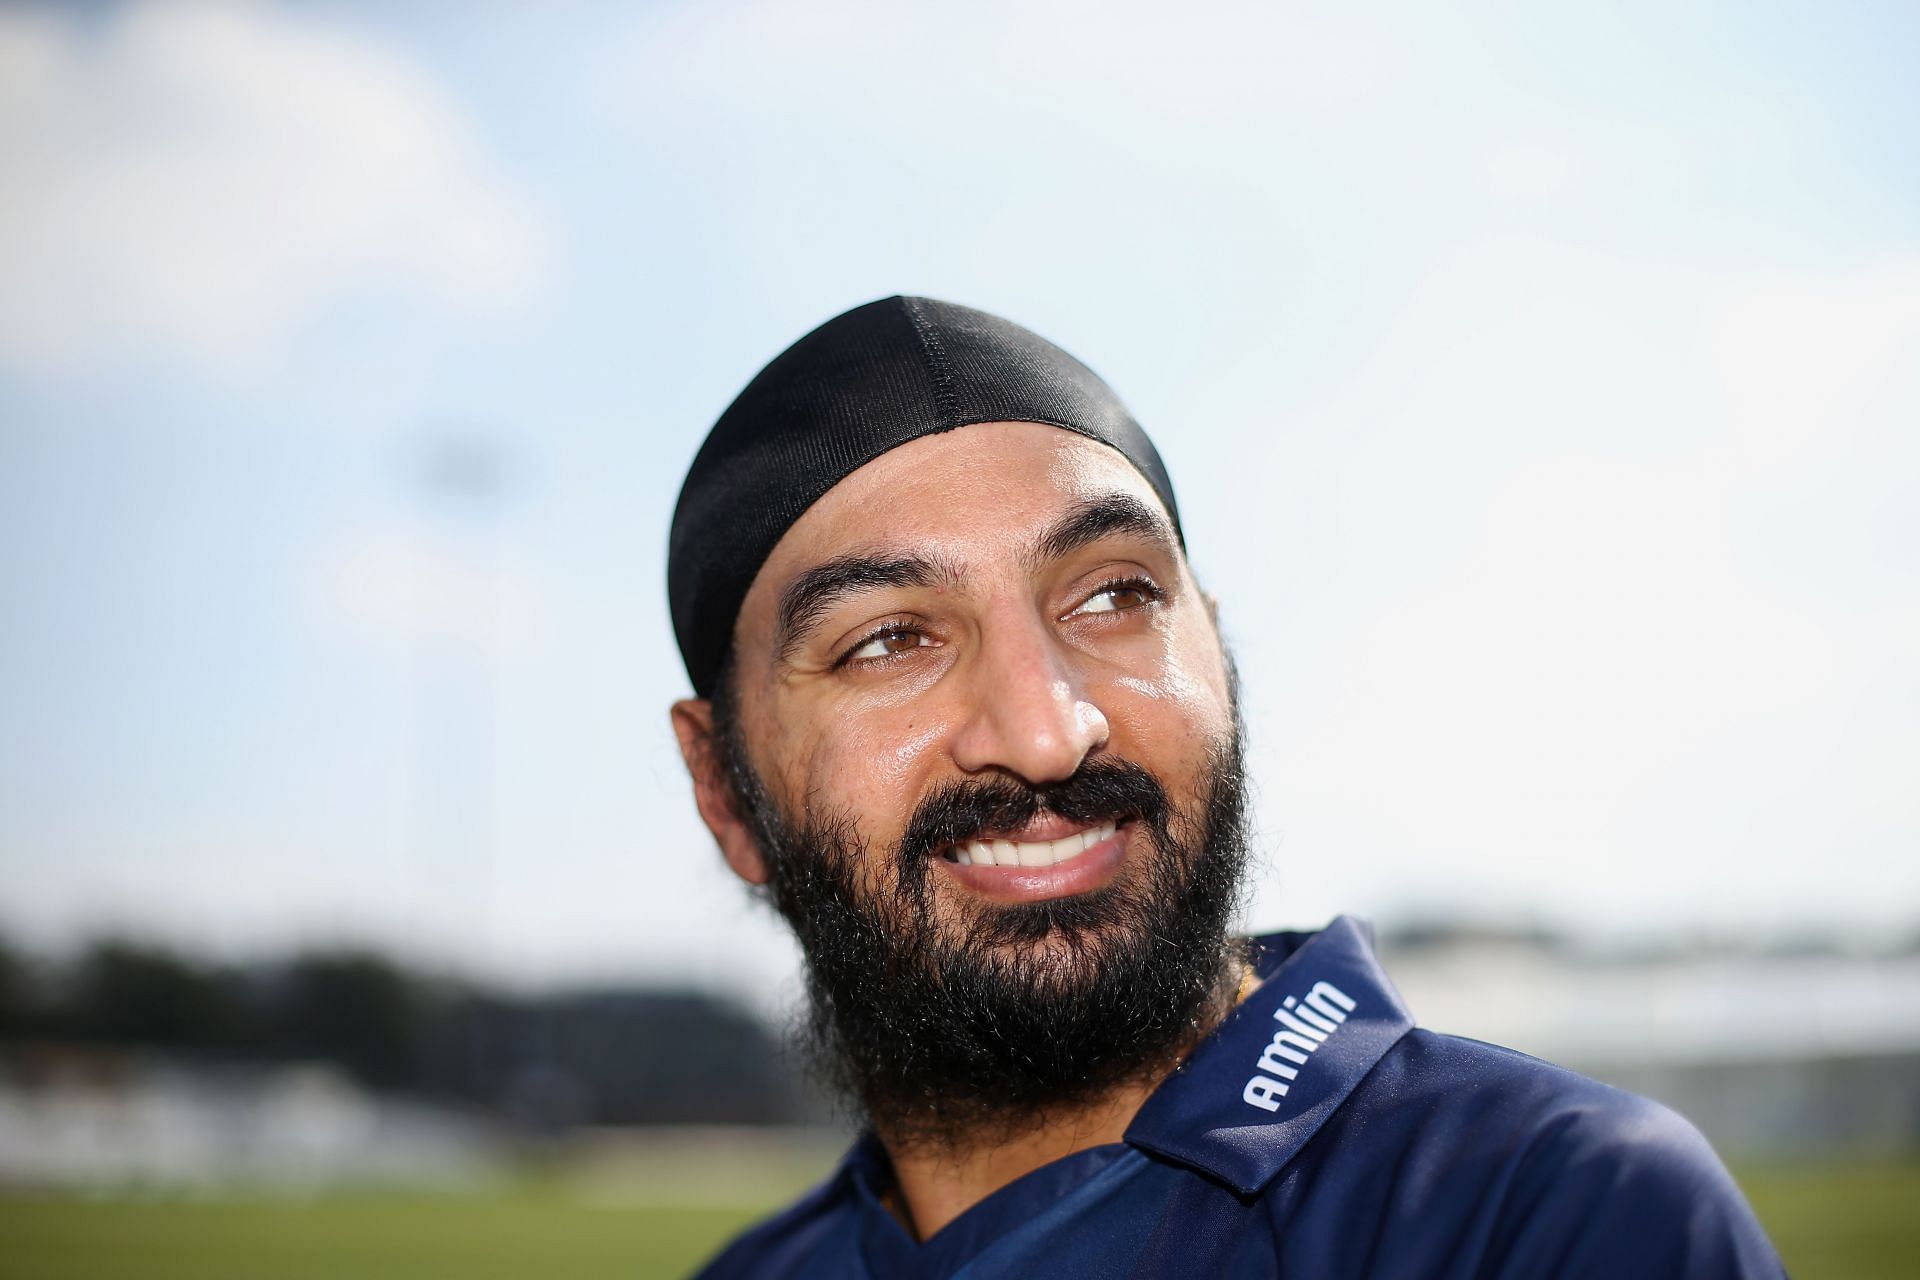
(1024, 853)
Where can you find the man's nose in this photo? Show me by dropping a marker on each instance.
(1031, 715)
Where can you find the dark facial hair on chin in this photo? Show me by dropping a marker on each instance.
(965, 1030)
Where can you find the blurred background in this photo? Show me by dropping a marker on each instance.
(1540, 391)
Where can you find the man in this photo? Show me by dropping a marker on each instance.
(964, 712)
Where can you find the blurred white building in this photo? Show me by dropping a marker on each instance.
(1766, 1053)
(108, 1119)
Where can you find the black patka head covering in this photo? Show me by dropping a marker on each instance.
(862, 383)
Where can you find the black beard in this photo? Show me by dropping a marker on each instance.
(965, 1032)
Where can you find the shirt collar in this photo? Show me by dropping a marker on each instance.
(889, 1250)
(1281, 1063)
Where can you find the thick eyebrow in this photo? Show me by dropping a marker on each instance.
(808, 597)
(1103, 517)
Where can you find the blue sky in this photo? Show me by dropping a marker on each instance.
(1536, 385)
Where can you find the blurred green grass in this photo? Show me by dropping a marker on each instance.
(517, 1232)
(1851, 1221)
(1855, 1221)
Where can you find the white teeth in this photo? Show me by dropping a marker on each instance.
(1038, 853)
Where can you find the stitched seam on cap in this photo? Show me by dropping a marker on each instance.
(937, 366)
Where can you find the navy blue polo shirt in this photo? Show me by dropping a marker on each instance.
(1318, 1133)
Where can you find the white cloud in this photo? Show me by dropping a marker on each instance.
(405, 585)
(1803, 358)
(1096, 105)
(1629, 634)
(197, 179)
(1106, 69)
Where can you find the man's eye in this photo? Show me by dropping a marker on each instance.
(1118, 596)
(885, 644)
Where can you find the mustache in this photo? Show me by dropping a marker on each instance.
(1100, 790)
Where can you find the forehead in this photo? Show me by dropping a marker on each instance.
(967, 495)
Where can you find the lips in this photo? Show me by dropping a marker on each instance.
(1014, 871)
(1028, 853)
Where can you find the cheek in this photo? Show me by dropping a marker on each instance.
(875, 765)
(1182, 693)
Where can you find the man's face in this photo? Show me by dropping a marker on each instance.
(1004, 600)
(990, 724)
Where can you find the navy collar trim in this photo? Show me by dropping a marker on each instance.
(1281, 1063)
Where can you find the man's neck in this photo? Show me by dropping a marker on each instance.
(933, 1185)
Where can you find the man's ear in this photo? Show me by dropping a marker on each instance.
(713, 793)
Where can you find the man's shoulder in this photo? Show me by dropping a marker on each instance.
(1458, 1071)
(1525, 1115)
(787, 1241)
(1552, 1164)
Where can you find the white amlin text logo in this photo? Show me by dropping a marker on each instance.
(1304, 1027)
